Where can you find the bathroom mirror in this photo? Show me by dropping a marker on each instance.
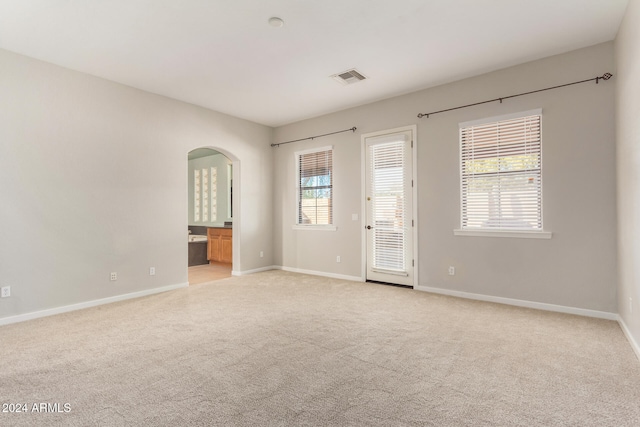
(230, 190)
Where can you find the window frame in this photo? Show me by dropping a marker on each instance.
(500, 231)
(317, 227)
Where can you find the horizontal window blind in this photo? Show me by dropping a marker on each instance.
(501, 181)
(315, 187)
(388, 205)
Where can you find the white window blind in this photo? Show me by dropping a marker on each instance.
(501, 181)
(388, 205)
(315, 187)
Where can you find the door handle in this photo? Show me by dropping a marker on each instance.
(368, 227)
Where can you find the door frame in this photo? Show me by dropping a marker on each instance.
(414, 194)
(236, 219)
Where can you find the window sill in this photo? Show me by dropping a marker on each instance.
(315, 227)
(500, 233)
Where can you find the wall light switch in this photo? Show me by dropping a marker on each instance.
(338, 258)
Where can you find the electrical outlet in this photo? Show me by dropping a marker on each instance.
(452, 270)
(6, 292)
(338, 258)
(261, 254)
(152, 271)
(114, 276)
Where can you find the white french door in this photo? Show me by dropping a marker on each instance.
(389, 207)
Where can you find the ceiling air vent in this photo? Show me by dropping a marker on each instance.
(348, 77)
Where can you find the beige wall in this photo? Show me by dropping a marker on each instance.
(98, 175)
(628, 168)
(94, 180)
(576, 268)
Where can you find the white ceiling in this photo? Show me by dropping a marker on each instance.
(223, 55)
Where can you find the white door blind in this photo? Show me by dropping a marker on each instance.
(315, 187)
(388, 206)
(501, 178)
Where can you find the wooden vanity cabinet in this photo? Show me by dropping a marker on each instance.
(220, 245)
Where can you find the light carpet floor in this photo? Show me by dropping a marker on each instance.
(284, 349)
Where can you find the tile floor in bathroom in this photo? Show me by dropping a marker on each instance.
(208, 272)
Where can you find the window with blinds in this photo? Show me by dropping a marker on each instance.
(315, 187)
(501, 180)
(388, 208)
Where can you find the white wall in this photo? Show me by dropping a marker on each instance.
(628, 168)
(576, 268)
(94, 179)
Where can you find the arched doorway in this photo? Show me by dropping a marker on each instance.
(213, 234)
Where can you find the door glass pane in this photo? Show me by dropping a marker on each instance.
(388, 205)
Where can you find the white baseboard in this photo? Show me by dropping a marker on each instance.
(87, 304)
(627, 333)
(319, 273)
(255, 270)
(522, 303)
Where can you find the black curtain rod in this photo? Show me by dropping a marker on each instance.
(605, 76)
(353, 129)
